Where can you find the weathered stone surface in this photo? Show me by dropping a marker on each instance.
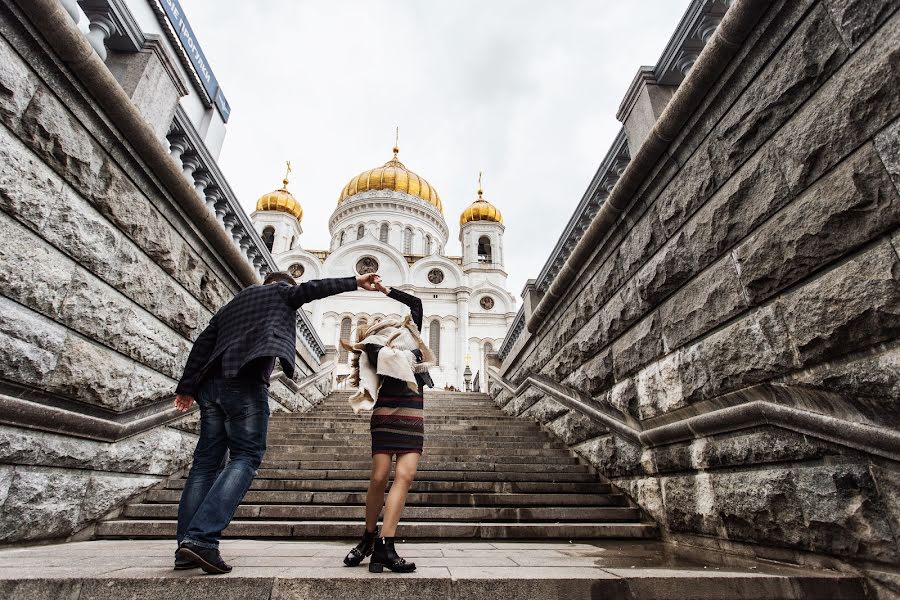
(746, 200)
(30, 344)
(812, 53)
(523, 402)
(146, 386)
(40, 282)
(607, 279)
(855, 103)
(887, 143)
(151, 342)
(647, 493)
(594, 376)
(106, 491)
(690, 504)
(867, 290)
(624, 398)
(659, 388)
(6, 477)
(691, 187)
(887, 481)
(611, 455)
(757, 446)
(857, 20)
(637, 347)
(544, 410)
(867, 383)
(851, 205)
(640, 243)
(574, 427)
(708, 300)
(753, 349)
(665, 272)
(845, 513)
(53, 133)
(39, 504)
(28, 188)
(17, 84)
(157, 452)
(78, 374)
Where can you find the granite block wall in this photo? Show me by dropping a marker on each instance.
(762, 254)
(103, 286)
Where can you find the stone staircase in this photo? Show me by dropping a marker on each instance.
(483, 475)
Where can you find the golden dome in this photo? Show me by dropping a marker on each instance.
(480, 210)
(281, 199)
(393, 176)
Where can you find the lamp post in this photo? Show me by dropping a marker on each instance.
(467, 373)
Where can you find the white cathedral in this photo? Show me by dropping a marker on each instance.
(391, 221)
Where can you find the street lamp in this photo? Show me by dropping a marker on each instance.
(467, 373)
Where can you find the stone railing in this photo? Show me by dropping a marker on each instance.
(515, 330)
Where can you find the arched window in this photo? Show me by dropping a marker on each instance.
(428, 244)
(383, 233)
(268, 237)
(434, 340)
(407, 241)
(293, 239)
(343, 355)
(484, 250)
(341, 239)
(360, 232)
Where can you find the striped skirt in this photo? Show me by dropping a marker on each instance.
(398, 425)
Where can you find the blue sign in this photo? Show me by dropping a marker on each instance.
(195, 54)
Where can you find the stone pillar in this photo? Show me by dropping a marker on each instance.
(151, 81)
(531, 296)
(462, 335)
(643, 103)
(491, 361)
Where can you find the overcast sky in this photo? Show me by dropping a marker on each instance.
(526, 91)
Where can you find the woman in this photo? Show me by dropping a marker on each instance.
(397, 424)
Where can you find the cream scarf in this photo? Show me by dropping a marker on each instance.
(398, 337)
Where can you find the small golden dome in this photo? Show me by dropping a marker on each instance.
(393, 176)
(281, 199)
(480, 210)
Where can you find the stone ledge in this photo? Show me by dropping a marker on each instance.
(307, 570)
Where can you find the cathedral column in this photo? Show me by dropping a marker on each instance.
(462, 335)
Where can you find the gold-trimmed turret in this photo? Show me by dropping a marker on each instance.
(281, 199)
(480, 210)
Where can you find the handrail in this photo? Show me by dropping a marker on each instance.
(752, 410)
(718, 52)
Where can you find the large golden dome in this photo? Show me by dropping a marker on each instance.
(393, 176)
(480, 210)
(281, 200)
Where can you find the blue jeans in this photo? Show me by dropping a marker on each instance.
(234, 418)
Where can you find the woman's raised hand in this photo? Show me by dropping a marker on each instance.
(380, 287)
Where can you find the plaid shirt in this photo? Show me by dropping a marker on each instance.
(260, 320)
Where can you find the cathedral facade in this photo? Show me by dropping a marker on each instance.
(391, 221)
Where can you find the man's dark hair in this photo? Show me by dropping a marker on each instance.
(279, 276)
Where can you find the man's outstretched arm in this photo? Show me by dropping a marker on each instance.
(300, 294)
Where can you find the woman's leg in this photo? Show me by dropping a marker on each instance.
(403, 477)
(381, 469)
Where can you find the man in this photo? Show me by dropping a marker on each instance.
(227, 372)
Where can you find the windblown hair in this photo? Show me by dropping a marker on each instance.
(278, 276)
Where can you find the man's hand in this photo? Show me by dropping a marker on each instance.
(368, 281)
(183, 402)
(380, 287)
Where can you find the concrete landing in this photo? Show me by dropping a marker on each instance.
(280, 570)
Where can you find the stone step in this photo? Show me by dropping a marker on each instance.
(447, 570)
(426, 465)
(140, 528)
(363, 440)
(363, 437)
(500, 454)
(424, 476)
(463, 455)
(357, 514)
(471, 487)
(163, 496)
(314, 417)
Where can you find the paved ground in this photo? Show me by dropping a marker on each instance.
(272, 570)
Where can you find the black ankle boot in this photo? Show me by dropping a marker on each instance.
(364, 548)
(386, 556)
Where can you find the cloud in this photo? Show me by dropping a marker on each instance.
(526, 91)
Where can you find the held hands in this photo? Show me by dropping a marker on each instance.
(372, 282)
(183, 402)
(368, 281)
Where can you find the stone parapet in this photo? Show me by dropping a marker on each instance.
(723, 340)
